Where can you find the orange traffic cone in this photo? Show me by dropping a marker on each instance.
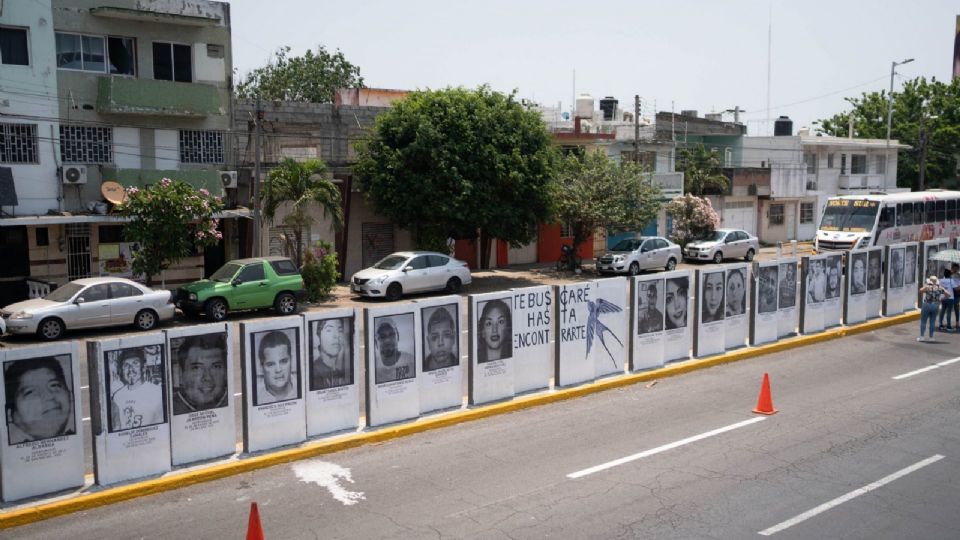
(764, 400)
(254, 530)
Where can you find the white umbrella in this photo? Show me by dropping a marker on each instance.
(947, 255)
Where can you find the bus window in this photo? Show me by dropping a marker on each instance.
(899, 215)
(905, 215)
(931, 213)
(886, 218)
(952, 210)
(941, 211)
(918, 213)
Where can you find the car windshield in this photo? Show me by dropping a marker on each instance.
(627, 244)
(391, 262)
(849, 215)
(225, 273)
(65, 293)
(715, 237)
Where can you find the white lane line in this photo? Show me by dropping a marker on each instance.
(926, 369)
(664, 448)
(85, 419)
(238, 394)
(853, 494)
(84, 387)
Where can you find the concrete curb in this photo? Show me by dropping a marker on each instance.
(43, 511)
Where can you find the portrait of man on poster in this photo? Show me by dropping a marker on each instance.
(39, 399)
(201, 381)
(441, 338)
(276, 366)
(331, 353)
(392, 358)
(136, 400)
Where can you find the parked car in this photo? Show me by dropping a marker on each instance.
(631, 255)
(255, 283)
(411, 271)
(90, 303)
(723, 244)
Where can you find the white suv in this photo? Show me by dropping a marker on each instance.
(723, 244)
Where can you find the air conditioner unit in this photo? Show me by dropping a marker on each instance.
(74, 174)
(229, 179)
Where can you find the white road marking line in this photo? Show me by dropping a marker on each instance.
(664, 448)
(84, 387)
(853, 494)
(86, 419)
(926, 369)
(238, 394)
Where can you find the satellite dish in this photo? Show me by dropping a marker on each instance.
(113, 192)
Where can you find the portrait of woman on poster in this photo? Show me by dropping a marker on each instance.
(896, 268)
(736, 292)
(495, 329)
(712, 303)
(767, 296)
(331, 362)
(39, 400)
(675, 302)
(910, 265)
(874, 274)
(788, 285)
(833, 277)
(858, 274)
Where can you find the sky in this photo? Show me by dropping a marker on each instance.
(708, 56)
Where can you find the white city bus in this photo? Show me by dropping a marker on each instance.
(856, 221)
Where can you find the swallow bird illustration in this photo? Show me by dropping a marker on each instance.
(595, 326)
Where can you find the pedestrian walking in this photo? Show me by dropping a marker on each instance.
(946, 303)
(930, 295)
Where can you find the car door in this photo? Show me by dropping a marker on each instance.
(439, 271)
(647, 254)
(90, 308)
(125, 301)
(732, 248)
(252, 290)
(662, 253)
(416, 274)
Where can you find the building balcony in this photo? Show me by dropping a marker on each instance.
(861, 182)
(208, 179)
(124, 95)
(670, 184)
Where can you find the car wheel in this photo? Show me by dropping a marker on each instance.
(145, 320)
(285, 304)
(749, 256)
(50, 329)
(453, 285)
(718, 257)
(394, 292)
(634, 269)
(216, 309)
(671, 265)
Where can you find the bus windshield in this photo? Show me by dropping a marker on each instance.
(849, 215)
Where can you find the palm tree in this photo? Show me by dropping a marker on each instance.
(301, 184)
(702, 172)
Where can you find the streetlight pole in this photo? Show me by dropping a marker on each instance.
(893, 68)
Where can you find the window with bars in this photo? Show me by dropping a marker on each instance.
(86, 144)
(201, 146)
(810, 160)
(858, 164)
(566, 230)
(18, 143)
(806, 212)
(776, 214)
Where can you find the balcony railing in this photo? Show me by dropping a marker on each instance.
(122, 95)
(671, 183)
(861, 181)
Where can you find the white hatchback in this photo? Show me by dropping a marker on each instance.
(411, 271)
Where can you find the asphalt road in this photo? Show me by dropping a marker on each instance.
(864, 446)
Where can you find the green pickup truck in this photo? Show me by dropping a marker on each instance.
(255, 283)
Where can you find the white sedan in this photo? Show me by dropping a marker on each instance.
(409, 272)
(631, 255)
(723, 244)
(90, 303)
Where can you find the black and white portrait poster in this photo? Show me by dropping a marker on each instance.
(833, 298)
(788, 316)
(393, 347)
(129, 413)
(813, 293)
(648, 329)
(901, 294)
(856, 309)
(895, 273)
(273, 379)
(607, 323)
(574, 363)
(765, 322)
(532, 335)
(491, 373)
(677, 314)
(203, 424)
(735, 305)
(910, 265)
(711, 336)
(441, 374)
(41, 447)
(874, 282)
(930, 266)
(333, 366)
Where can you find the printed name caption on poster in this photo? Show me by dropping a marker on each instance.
(41, 450)
(201, 420)
(274, 410)
(139, 436)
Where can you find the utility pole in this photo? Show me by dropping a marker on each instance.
(893, 68)
(636, 129)
(257, 116)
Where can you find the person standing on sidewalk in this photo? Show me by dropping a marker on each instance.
(946, 303)
(955, 274)
(930, 295)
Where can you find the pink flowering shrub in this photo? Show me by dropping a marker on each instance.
(693, 217)
(319, 271)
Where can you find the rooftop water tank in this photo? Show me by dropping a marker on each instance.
(783, 127)
(584, 106)
(609, 107)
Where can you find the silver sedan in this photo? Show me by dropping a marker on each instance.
(90, 303)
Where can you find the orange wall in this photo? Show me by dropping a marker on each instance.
(549, 242)
(466, 250)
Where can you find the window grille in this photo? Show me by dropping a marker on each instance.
(86, 144)
(201, 146)
(18, 143)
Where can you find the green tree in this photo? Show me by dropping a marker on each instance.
(449, 163)
(301, 185)
(702, 172)
(312, 77)
(693, 218)
(320, 271)
(936, 102)
(169, 220)
(597, 192)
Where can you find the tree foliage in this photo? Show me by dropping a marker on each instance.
(447, 163)
(597, 192)
(169, 220)
(702, 171)
(301, 185)
(320, 271)
(312, 77)
(938, 102)
(693, 218)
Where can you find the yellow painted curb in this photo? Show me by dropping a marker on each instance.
(39, 512)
